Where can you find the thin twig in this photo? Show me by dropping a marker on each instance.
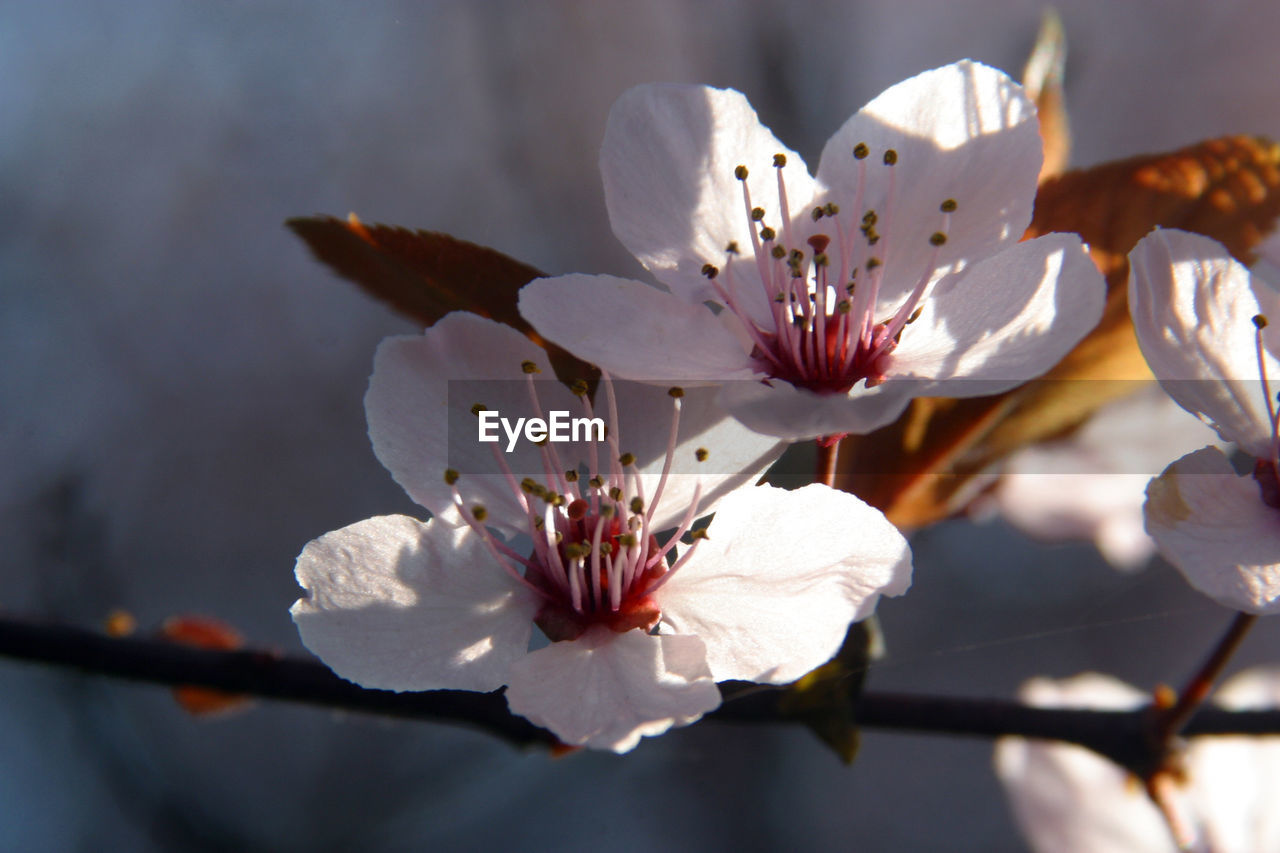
(1200, 685)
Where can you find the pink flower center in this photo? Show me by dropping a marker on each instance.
(822, 333)
(618, 600)
(596, 559)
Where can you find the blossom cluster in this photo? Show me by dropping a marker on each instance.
(789, 306)
(640, 628)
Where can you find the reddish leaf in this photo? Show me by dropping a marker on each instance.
(917, 469)
(422, 274)
(426, 274)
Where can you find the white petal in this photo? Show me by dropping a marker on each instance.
(1193, 309)
(1068, 799)
(420, 420)
(634, 331)
(964, 132)
(607, 690)
(668, 163)
(396, 604)
(1105, 508)
(795, 414)
(1253, 689)
(772, 592)
(1213, 526)
(1004, 320)
(736, 456)
(1092, 484)
(1236, 780)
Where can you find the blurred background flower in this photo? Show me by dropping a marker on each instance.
(182, 393)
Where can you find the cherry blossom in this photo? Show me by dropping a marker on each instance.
(641, 620)
(1202, 323)
(802, 288)
(1092, 485)
(1068, 799)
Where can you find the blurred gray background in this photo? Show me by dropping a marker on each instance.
(180, 396)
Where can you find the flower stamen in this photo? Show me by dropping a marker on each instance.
(820, 340)
(595, 559)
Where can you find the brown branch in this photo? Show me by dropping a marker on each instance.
(1115, 734)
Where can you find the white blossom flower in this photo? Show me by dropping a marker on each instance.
(1092, 485)
(1201, 320)
(1068, 799)
(803, 287)
(641, 625)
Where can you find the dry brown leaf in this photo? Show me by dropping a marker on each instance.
(1042, 78)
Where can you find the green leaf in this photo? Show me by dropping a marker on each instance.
(826, 699)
